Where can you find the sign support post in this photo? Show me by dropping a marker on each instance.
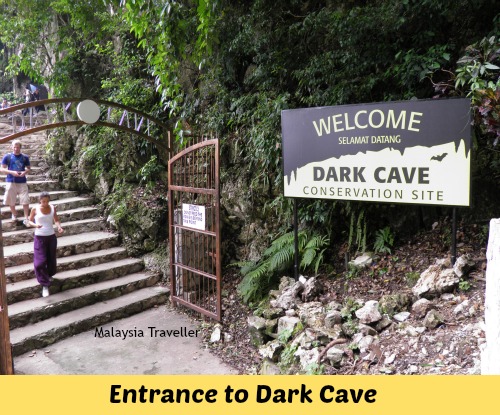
(454, 237)
(295, 240)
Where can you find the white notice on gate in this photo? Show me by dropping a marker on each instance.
(193, 216)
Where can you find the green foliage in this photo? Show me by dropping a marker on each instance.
(116, 203)
(479, 74)
(259, 276)
(284, 336)
(287, 357)
(412, 278)
(384, 240)
(315, 369)
(464, 285)
(175, 36)
(54, 41)
(350, 306)
(150, 172)
(357, 228)
(231, 67)
(347, 312)
(477, 69)
(287, 334)
(414, 66)
(352, 272)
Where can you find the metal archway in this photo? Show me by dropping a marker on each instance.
(35, 116)
(46, 114)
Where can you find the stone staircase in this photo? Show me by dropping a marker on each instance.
(97, 282)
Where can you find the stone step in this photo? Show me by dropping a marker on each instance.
(27, 141)
(46, 332)
(79, 213)
(25, 271)
(54, 195)
(38, 309)
(66, 245)
(37, 163)
(66, 280)
(69, 203)
(70, 228)
(72, 203)
(96, 281)
(32, 177)
(27, 149)
(37, 139)
(35, 170)
(64, 216)
(39, 186)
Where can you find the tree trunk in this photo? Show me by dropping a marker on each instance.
(490, 359)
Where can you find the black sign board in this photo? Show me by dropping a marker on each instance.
(399, 152)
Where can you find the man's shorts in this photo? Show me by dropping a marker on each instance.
(14, 189)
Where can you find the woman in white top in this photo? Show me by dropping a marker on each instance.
(42, 218)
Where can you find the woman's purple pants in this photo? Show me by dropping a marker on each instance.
(44, 260)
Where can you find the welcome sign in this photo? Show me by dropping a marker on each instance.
(398, 152)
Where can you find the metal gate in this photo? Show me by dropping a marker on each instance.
(194, 230)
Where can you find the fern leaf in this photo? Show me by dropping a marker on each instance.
(317, 241)
(282, 258)
(318, 261)
(283, 240)
(307, 257)
(247, 267)
(259, 271)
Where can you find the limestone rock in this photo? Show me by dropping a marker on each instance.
(463, 265)
(271, 350)
(287, 323)
(312, 288)
(269, 368)
(435, 280)
(333, 318)
(433, 319)
(312, 314)
(307, 358)
(394, 303)
(401, 316)
(362, 261)
(335, 355)
(421, 307)
(369, 313)
(256, 328)
(216, 334)
(289, 297)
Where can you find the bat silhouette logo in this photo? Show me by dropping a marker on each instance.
(440, 157)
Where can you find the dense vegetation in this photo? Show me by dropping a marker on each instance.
(230, 68)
